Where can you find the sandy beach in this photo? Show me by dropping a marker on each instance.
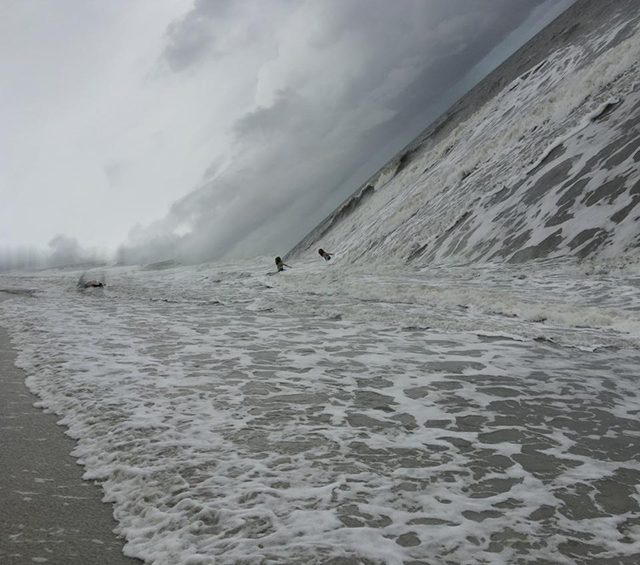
(48, 514)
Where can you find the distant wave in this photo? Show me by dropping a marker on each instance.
(539, 160)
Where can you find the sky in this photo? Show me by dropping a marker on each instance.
(194, 130)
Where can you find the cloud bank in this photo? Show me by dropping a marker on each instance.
(222, 127)
(336, 82)
(62, 251)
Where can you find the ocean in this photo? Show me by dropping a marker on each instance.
(539, 160)
(336, 414)
(457, 385)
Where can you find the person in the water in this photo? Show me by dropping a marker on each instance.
(325, 254)
(280, 264)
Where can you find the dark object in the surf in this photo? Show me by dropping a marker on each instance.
(324, 254)
(92, 283)
(281, 264)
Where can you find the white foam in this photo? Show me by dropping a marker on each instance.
(225, 432)
(555, 104)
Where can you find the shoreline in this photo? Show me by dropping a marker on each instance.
(48, 513)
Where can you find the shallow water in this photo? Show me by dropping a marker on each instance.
(334, 415)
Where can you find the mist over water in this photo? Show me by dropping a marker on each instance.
(62, 251)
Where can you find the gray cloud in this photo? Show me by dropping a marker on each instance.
(21, 258)
(65, 250)
(195, 34)
(339, 89)
(114, 171)
(62, 251)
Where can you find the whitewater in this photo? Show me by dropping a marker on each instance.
(334, 414)
(540, 160)
(457, 385)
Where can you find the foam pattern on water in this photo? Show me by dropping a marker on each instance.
(231, 422)
(548, 166)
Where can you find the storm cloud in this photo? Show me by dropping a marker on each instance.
(222, 127)
(339, 81)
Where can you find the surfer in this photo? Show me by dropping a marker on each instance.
(280, 264)
(325, 254)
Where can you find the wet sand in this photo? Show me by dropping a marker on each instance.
(48, 514)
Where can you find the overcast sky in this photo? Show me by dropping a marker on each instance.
(199, 129)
